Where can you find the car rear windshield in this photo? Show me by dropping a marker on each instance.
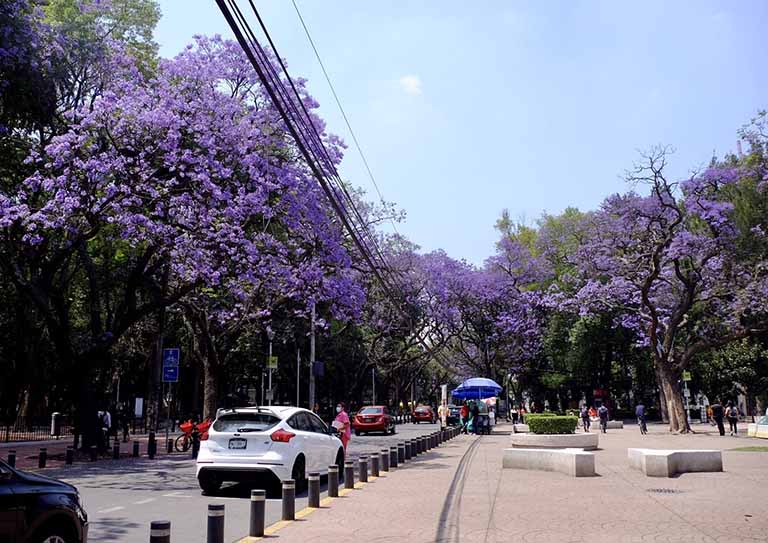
(370, 411)
(245, 422)
(422, 410)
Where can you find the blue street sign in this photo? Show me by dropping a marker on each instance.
(171, 357)
(170, 374)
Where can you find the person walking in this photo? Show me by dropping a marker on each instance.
(585, 417)
(341, 423)
(717, 414)
(442, 414)
(464, 416)
(640, 414)
(733, 418)
(602, 412)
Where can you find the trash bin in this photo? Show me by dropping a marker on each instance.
(56, 424)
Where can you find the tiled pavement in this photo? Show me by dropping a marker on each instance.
(459, 492)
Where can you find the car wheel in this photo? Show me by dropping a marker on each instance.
(209, 482)
(357, 432)
(299, 474)
(55, 534)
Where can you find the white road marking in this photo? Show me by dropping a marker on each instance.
(142, 502)
(174, 495)
(110, 510)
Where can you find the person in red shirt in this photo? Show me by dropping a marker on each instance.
(464, 414)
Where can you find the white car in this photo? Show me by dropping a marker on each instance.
(281, 442)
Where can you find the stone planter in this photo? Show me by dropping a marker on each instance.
(586, 441)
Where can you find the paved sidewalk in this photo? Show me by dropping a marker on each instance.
(459, 492)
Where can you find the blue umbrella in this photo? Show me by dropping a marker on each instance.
(477, 387)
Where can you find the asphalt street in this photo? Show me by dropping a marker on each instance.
(123, 497)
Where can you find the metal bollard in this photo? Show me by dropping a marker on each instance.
(394, 456)
(408, 449)
(314, 489)
(215, 523)
(12, 458)
(333, 481)
(42, 457)
(195, 443)
(384, 459)
(289, 499)
(258, 503)
(169, 446)
(151, 446)
(160, 531)
(349, 474)
(135, 449)
(374, 464)
(93, 452)
(69, 456)
(116, 451)
(363, 468)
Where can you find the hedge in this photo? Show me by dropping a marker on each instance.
(552, 424)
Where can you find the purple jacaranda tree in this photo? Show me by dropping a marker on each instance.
(167, 185)
(668, 263)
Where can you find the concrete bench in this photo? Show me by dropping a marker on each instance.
(757, 430)
(573, 462)
(579, 440)
(666, 463)
(612, 424)
(520, 428)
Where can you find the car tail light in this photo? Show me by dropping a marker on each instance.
(282, 436)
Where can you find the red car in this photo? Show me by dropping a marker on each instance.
(423, 413)
(375, 418)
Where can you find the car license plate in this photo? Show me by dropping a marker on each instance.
(237, 443)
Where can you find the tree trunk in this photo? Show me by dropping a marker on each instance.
(663, 411)
(678, 421)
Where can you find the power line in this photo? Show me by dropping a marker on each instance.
(341, 109)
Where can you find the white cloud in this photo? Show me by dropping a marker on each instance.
(411, 84)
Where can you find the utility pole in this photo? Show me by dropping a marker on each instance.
(270, 371)
(312, 360)
(298, 376)
(263, 376)
(373, 383)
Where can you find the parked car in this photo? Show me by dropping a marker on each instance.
(279, 442)
(37, 509)
(375, 418)
(454, 415)
(423, 413)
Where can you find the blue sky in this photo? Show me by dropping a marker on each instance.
(466, 108)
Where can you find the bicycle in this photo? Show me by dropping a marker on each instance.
(184, 441)
(643, 427)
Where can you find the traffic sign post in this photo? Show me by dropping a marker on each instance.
(171, 359)
(170, 374)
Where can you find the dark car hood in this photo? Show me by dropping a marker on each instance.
(42, 481)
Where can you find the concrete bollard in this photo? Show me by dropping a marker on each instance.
(374, 464)
(169, 446)
(349, 474)
(215, 523)
(289, 499)
(333, 481)
(116, 450)
(160, 531)
(314, 489)
(69, 456)
(385, 459)
(12, 458)
(42, 457)
(362, 463)
(135, 449)
(258, 508)
(94, 453)
(394, 456)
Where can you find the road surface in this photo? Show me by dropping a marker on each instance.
(122, 497)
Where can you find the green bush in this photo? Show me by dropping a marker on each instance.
(545, 414)
(552, 424)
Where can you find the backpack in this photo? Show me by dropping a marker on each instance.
(733, 412)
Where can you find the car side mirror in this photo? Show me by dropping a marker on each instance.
(5, 475)
(333, 431)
